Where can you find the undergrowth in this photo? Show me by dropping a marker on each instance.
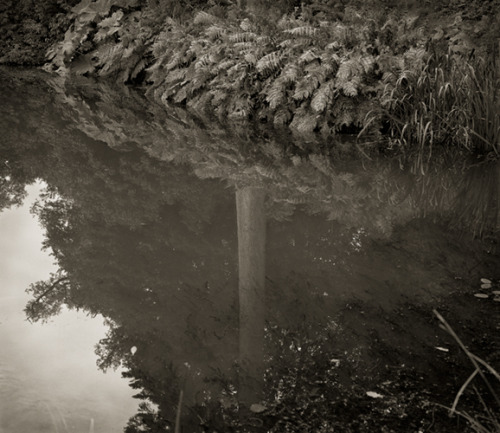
(447, 102)
(321, 68)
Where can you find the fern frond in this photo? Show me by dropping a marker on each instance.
(203, 17)
(309, 83)
(108, 54)
(349, 69)
(316, 71)
(138, 68)
(308, 57)
(174, 62)
(251, 58)
(224, 65)
(304, 121)
(289, 74)
(350, 88)
(215, 32)
(205, 61)
(198, 46)
(200, 79)
(367, 63)
(342, 35)
(303, 32)
(244, 46)
(302, 91)
(287, 43)
(323, 97)
(270, 62)
(263, 39)
(276, 95)
(219, 96)
(330, 62)
(282, 116)
(160, 45)
(415, 57)
(175, 76)
(109, 26)
(242, 37)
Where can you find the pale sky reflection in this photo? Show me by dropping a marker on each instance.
(49, 381)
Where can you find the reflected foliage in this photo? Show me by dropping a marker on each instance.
(143, 227)
(48, 298)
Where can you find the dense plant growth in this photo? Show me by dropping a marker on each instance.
(319, 68)
(446, 103)
(29, 28)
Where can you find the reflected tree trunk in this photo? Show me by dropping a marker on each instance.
(498, 193)
(251, 261)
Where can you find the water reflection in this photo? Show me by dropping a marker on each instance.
(47, 373)
(144, 231)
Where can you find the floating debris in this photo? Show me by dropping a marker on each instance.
(133, 349)
(442, 349)
(257, 408)
(374, 394)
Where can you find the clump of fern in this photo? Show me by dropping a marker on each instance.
(317, 69)
(309, 74)
(106, 39)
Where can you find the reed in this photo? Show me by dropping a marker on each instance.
(449, 104)
(488, 421)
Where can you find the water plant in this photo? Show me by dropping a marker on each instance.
(488, 421)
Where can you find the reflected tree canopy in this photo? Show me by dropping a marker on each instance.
(141, 216)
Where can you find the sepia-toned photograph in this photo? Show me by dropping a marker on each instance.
(249, 216)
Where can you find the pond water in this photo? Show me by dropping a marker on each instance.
(49, 381)
(234, 268)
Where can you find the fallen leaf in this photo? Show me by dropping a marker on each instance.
(496, 292)
(485, 281)
(133, 349)
(374, 394)
(486, 286)
(481, 295)
(257, 408)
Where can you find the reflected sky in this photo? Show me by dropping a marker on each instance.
(48, 375)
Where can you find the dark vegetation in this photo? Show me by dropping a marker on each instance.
(404, 76)
(412, 81)
(113, 218)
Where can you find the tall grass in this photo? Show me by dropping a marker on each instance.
(449, 103)
(488, 421)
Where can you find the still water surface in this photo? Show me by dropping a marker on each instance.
(198, 245)
(49, 381)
